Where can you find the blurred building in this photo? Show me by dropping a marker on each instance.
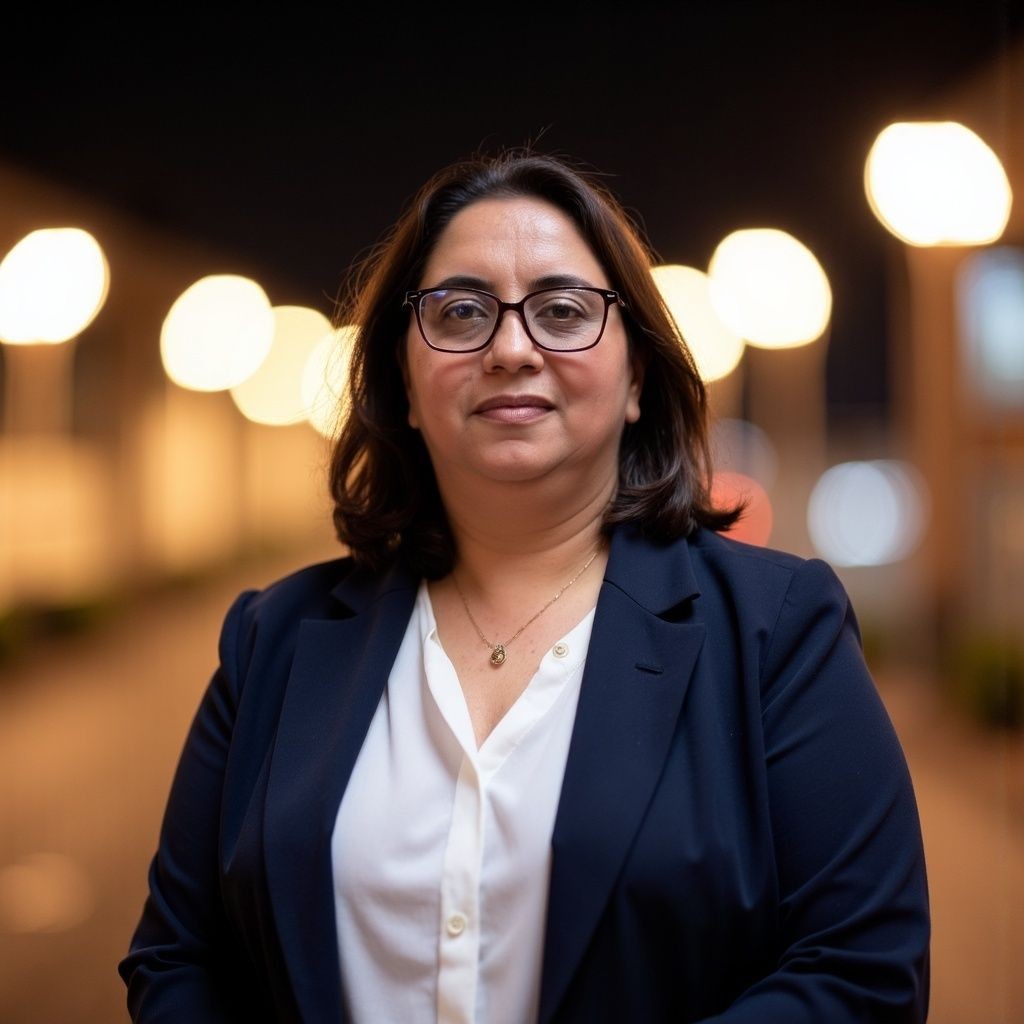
(956, 428)
(111, 476)
(958, 376)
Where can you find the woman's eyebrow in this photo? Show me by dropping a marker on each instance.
(464, 281)
(560, 281)
(548, 281)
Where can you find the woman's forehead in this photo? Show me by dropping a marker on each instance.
(517, 238)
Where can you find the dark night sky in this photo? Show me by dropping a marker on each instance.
(290, 138)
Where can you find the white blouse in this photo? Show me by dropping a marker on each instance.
(441, 851)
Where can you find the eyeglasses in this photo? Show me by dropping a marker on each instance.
(555, 319)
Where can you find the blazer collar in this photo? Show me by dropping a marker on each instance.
(658, 576)
(338, 674)
(632, 699)
(360, 588)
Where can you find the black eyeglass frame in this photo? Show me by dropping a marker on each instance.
(609, 295)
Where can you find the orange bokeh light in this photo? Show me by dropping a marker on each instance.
(755, 526)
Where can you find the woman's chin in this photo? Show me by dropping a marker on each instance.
(512, 464)
(514, 472)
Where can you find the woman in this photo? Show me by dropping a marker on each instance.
(547, 746)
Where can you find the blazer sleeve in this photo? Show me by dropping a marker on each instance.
(179, 966)
(853, 902)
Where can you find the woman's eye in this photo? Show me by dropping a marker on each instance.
(465, 311)
(560, 311)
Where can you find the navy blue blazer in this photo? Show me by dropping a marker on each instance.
(736, 838)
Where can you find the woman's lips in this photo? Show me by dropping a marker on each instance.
(514, 413)
(513, 408)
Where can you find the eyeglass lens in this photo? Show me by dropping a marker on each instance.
(562, 318)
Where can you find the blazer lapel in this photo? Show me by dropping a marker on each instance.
(338, 674)
(638, 668)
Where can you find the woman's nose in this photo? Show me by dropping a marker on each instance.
(511, 347)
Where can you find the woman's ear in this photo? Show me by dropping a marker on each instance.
(637, 367)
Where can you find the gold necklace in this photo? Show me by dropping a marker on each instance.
(498, 653)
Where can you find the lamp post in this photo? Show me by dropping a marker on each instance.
(770, 290)
(938, 187)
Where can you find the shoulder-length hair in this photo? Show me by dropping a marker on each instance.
(386, 499)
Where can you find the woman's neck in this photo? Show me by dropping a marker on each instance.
(513, 537)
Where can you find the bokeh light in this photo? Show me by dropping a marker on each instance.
(52, 285)
(57, 502)
(44, 892)
(740, 446)
(273, 394)
(937, 183)
(769, 288)
(716, 349)
(990, 305)
(867, 513)
(755, 525)
(217, 333)
(325, 380)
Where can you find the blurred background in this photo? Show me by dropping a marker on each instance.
(830, 192)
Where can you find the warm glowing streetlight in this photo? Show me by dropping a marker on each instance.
(937, 183)
(769, 288)
(715, 348)
(273, 394)
(52, 284)
(217, 333)
(325, 380)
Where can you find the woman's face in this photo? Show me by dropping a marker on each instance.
(469, 407)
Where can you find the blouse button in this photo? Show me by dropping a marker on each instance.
(560, 650)
(456, 924)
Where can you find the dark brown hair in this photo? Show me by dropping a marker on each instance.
(386, 499)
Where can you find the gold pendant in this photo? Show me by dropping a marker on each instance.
(498, 655)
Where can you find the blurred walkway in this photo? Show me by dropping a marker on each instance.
(970, 792)
(90, 732)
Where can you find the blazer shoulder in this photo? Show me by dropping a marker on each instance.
(763, 578)
(733, 556)
(304, 593)
(337, 588)
(262, 625)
